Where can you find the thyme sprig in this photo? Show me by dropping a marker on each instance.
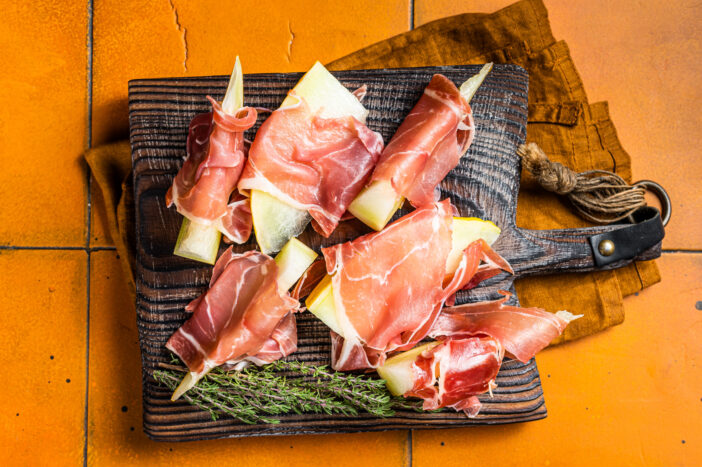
(259, 394)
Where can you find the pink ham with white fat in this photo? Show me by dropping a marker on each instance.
(388, 286)
(428, 143)
(473, 340)
(204, 188)
(452, 373)
(311, 163)
(523, 332)
(243, 316)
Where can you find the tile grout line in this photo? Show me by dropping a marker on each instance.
(89, 143)
(87, 358)
(59, 248)
(411, 14)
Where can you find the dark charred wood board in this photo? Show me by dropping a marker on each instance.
(485, 184)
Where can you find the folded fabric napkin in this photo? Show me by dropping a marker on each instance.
(572, 131)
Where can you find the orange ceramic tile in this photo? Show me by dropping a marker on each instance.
(141, 39)
(115, 436)
(630, 395)
(642, 57)
(43, 344)
(43, 122)
(426, 11)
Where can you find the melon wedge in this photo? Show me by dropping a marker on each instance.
(377, 202)
(293, 260)
(321, 304)
(466, 230)
(471, 85)
(397, 370)
(326, 95)
(196, 241)
(276, 221)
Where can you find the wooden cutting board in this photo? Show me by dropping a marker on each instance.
(485, 185)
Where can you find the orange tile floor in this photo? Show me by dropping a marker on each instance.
(630, 395)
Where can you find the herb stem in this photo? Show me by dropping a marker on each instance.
(256, 395)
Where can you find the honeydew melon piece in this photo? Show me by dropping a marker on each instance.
(321, 304)
(234, 97)
(293, 260)
(196, 241)
(187, 383)
(274, 220)
(471, 85)
(397, 370)
(376, 203)
(466, 230)
(326, 96)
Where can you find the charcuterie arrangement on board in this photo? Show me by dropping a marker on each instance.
(343, 262)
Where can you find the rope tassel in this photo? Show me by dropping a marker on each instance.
(598, 196)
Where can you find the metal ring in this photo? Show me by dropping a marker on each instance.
(662, 195)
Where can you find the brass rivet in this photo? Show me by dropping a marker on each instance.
(606, 247)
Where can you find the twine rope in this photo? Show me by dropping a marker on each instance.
(597, 195)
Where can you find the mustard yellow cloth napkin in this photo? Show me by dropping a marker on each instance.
(561, 120)
(111, 166)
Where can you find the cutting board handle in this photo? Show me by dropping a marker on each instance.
(587, 249)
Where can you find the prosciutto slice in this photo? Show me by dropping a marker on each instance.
(202, 190)
(312, 163)
(388, 286)
(473, 340)
(452, 373)
(522, 331)
(428, 143)
(241, 317)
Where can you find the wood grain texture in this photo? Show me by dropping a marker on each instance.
(485, 184)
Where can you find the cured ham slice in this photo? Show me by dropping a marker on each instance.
(473, 341)
(428, 143)
(452, 373)
(310, 162)
(309, 279)
(236, 223)
(243, 316)
(281, 343)
(202, 190)
(522, 331)
(388, 287)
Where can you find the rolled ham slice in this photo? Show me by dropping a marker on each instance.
(473, 340)
(311, 163)
(428, 143)
(523, 332)
(388, 287)
(241, 317)
(452, 373)
(204, 188)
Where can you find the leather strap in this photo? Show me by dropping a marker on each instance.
(633, 238)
